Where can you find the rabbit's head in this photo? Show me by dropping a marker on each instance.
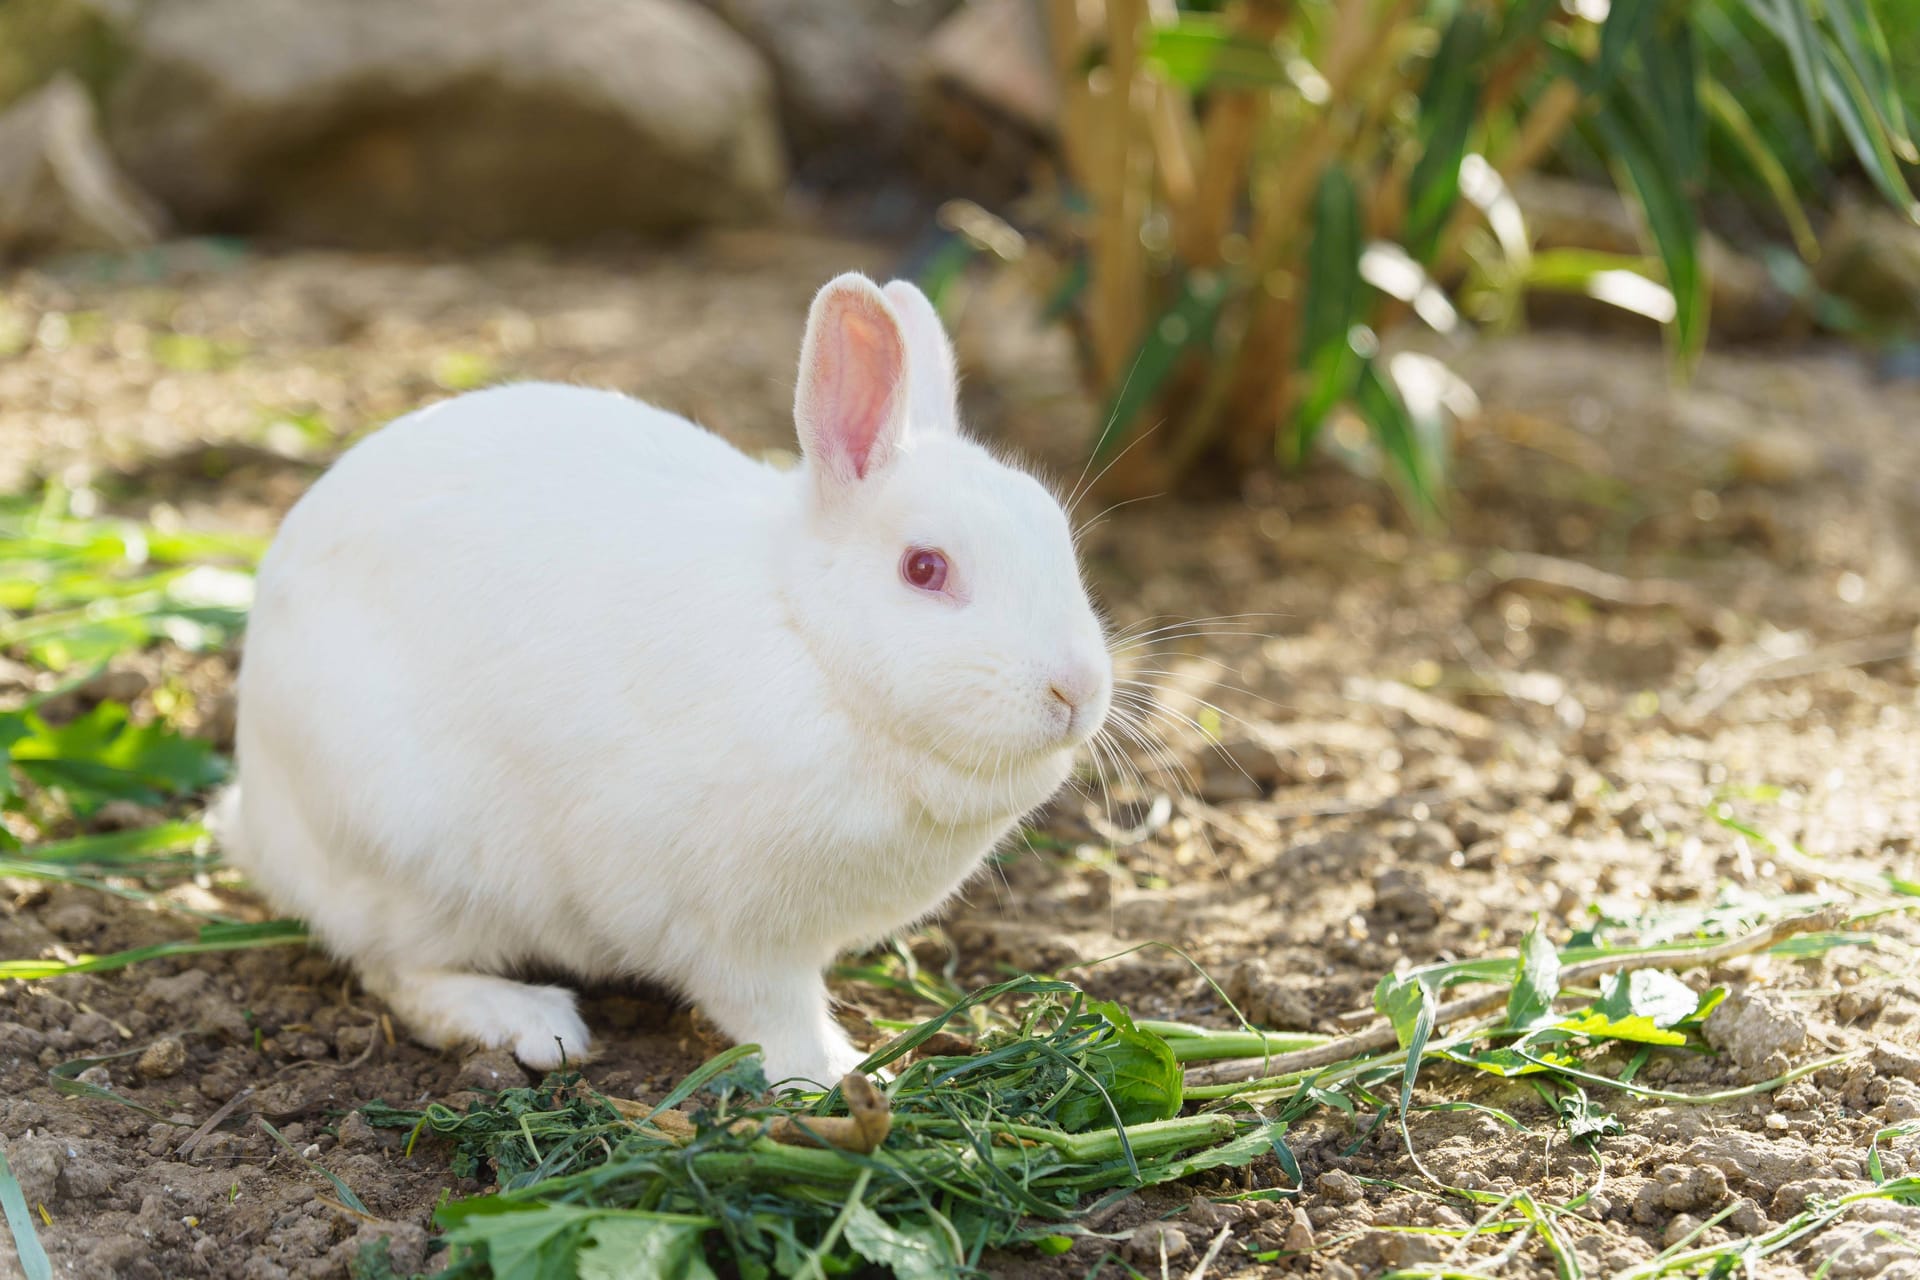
(936, 585)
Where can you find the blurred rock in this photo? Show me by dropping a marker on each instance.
(59, 188)
(447, 121)
(987, 96)
(1870, 257)
(1778, 456)
(843, 73)
(162, 1059)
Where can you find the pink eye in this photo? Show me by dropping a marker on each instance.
(924, 569)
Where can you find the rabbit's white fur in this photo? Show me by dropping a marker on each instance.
(546, 676)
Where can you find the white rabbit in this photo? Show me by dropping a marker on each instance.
(546, 676)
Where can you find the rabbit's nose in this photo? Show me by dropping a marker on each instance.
(1076, 684)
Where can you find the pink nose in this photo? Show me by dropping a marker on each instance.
(1076, 684)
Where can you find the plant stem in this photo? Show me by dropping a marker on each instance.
(1381, 1035)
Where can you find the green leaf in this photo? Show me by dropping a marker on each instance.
(1410, 1009)
(915, 1251)
(1618, 34)
(1336, 301)
(100, 756)
(1726, 111)
(1795, 27)
(1669, 93)
(1189, 322)
(1642, 1007)
(65, 1079)
(1137, 1070)
(1585, 1118)
(1861, 122)
(1449, 108)
(644, 1248)
(1530, 1002)
(1635, 1028)
(524, 1244)
(1650, 993)
(1199, 51)
(1506, 1063)
(34, 1264)
(1236, 1154)
(1863, 46)
(1417, 457)
(1657, 188)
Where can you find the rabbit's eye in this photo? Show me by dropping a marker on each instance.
(924, 568)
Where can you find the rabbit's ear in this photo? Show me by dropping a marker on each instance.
(933, 384)
(851, 403)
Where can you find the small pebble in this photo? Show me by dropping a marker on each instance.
(1156, 1240)
(162, 1059)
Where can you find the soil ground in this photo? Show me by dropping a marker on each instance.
(1435, 739)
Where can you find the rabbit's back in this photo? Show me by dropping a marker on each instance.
(479, 614)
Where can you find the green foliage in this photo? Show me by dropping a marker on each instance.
(1132, 1072)
(75, 592)
(1300, 178)
(102, 756)
(41, 37)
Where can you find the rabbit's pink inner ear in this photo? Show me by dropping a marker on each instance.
(933, 381)
(852, 388)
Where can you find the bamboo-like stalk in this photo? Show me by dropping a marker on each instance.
(1226, 144)
(1118, 284)
(1255, 376)
(1545, 124)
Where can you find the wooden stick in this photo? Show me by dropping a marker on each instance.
(1376, 1038)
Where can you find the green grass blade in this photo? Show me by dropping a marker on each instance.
(1725, 110)
(1414, 456)
(1673, 100)
(1449, 109)
(1733, 54)
(1618, 35)
(1795, 26)
(1670, 220)
(213, 938)
(34, 1263)
(1336, 301)
(347, 1197)
(1863, 46)
(142, 845)
(1861, 122)
(66, 1081)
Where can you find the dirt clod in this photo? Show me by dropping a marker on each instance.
(1759, 1031)
(162, 1060)
(1156, 1240)
(1341, 1187)
(1405, 896)
(491, 1070)
(1687, 1189)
